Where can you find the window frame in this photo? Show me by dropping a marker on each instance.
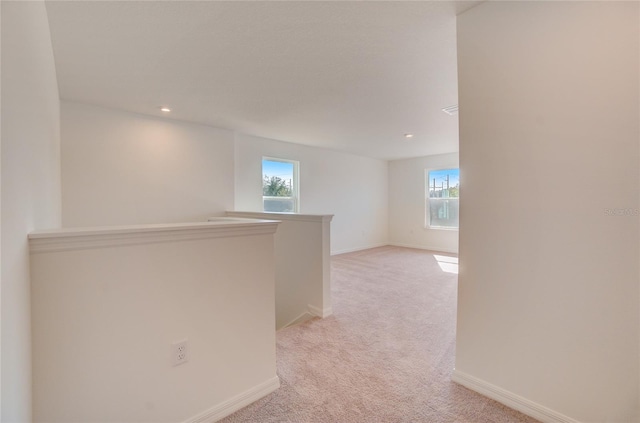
(295, 191)
(427, 205)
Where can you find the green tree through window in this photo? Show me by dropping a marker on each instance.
(275, 187)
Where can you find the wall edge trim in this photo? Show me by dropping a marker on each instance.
(234, 404)
(423, 247)
(300, 319)
(86, 238)
(510, 399)
(353, 250)
(320, 312)
(304, 217)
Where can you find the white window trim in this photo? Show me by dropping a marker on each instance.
(427, 207)
(296, 180)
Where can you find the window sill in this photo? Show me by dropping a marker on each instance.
(441, 228)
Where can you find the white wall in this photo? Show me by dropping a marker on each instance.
(124, 168)
(548, 287)
(303, 269)
(30, 183)
(407, 204)
(352, 188)
(108, 305)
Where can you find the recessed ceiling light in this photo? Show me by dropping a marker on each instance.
(165, 109)
(408, 135)
(451, 110)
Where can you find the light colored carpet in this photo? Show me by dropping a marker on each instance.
(386, 354)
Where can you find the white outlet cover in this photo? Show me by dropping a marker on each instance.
(179, 352)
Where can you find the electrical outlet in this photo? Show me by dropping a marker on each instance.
(179, 352)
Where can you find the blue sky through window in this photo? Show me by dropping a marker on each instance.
(441, 176)
(282, 170)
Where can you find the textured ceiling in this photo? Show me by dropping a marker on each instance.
(350, 76)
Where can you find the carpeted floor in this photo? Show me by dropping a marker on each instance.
(386, 354)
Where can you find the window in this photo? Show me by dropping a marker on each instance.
(279, 185)
(443, 198)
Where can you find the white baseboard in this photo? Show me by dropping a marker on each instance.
(307, 315)
(320, 312)
(397, 244)
(234, 404)
(423, 247)
(312, 312)
(510, 399)
(353, 250)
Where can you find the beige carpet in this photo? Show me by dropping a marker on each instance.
(386, 354)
